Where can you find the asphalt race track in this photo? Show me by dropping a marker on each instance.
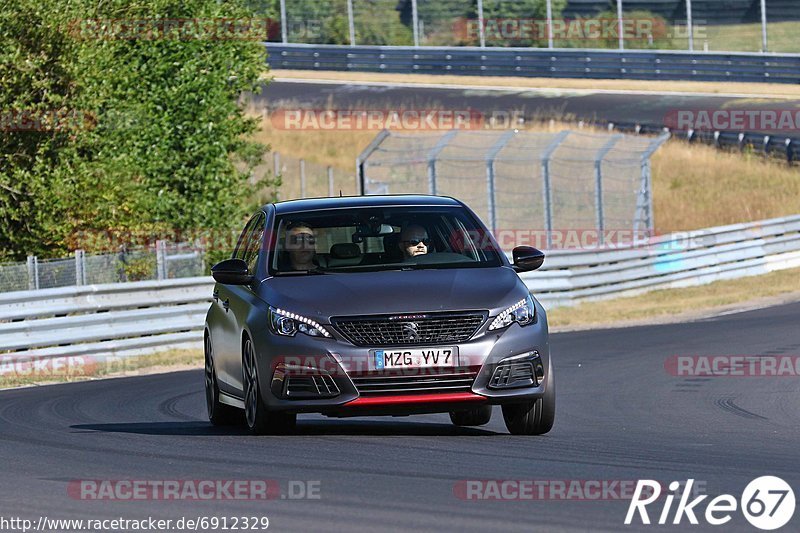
(637, 108)
(620, 416)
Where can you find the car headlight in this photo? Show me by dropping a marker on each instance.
(283, 322)
(523, 312)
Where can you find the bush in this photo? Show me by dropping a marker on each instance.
(165, 141)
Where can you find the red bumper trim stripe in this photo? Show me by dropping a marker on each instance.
(415, 399)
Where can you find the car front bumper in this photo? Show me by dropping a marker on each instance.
(334, 367)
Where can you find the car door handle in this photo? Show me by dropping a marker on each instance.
(215, 295)
(227, 305)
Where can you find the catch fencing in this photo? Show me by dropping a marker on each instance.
(689, 25)
(164, 260)
(523, 180)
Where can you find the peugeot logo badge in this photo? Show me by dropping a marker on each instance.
(410, 330)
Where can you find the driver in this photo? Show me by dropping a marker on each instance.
(301, 244)
(414, 241)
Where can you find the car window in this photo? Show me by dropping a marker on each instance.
(250, 241)
(254, 239)
(383, 238)
(241, 244)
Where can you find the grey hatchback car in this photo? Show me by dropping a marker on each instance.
(375, 305)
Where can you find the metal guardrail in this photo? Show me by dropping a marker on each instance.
(569, 63)
(123, 319)
(677, 260)
(540, 62)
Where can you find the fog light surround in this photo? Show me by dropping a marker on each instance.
(517, 371)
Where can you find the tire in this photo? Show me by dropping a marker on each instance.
(533, 418)
(259, 419)
(477, 416)
(219, 414)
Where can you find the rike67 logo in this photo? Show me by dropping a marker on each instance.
(767, 503)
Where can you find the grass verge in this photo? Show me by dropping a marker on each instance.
(775, 90)
(68, 369)
(680, 304)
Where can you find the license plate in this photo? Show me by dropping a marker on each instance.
(414, 357)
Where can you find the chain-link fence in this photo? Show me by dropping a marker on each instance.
(710, 25)
(162, 261)
(306, 179)
(518, 180)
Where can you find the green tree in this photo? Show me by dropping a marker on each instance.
(166, 147)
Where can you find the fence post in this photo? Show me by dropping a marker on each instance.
(361, 162)
(276, 170)
(491, 201)
(546, 192)
(647, 184)
(415, 22)
(351, 23)
(284, 24)
(331, 191)
(550, 24)
(302, 178)
(161, 260)
(764, 26)
(481, 28)
(598, 184)
(433, 155)
(33, 272)
(619, 25)
(80, 268)
(690, 24)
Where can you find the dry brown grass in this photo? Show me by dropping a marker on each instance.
(688, 300)
(779, 90)
(697, 186)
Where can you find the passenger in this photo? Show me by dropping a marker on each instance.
(414, 241)
(301, 244)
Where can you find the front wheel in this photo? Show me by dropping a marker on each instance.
(536, 417)
(219, 414)
(260, 420)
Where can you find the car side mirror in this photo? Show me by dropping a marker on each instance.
(527, 258)
(231, 272)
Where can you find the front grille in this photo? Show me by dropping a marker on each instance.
(419, 329)
(454, 380)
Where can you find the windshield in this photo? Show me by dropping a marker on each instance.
(385, 238)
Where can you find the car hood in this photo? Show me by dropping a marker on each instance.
(394, 291)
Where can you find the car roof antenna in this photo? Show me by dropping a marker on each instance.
(340, 193)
